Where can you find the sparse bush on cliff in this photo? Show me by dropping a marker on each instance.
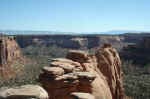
(29, 76)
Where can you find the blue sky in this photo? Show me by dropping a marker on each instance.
(75, 15)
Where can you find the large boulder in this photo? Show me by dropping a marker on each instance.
(24, 92)
(97, 75)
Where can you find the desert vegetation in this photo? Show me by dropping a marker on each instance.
(136, 80)
(38, 56)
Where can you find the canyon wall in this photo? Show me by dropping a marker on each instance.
(9, 53)
(70, 41)
(139, 52)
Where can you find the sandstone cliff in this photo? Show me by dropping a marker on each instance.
(9, 53)
(83, 75)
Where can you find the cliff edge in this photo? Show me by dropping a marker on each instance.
(83, 75)
(9, 54)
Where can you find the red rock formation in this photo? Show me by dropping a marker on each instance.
(9, 52)
(98, 76)
(109, 65)
(76, 95)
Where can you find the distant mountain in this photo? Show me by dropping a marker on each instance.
(27, 32)
(122, 31)
(118, 32)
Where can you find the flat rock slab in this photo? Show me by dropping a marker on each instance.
(24, 92)
(79, 95)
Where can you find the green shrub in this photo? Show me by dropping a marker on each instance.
(40, 56)
(136, 81)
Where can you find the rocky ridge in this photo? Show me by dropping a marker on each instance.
(80, 74)
(71, 41)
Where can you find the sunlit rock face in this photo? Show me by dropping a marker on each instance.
(81, 74)
(9, 52)
(24, 92)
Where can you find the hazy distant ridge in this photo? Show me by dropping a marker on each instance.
(14, 32)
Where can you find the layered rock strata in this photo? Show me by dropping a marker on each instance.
(97, 75)
(9, 52)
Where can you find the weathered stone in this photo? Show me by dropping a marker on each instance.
(109, 65)
(9, 53)
(100, 76)
(85, 75)
(66, 66)
(24, 92)
(55, 71)
(79, 95)
(77, 56)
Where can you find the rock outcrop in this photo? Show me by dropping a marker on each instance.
(80, 75)
(9, 52)
(76, 95)
(24, 92)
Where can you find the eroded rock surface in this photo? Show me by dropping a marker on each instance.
(24, 92)
(9, 53)
(98, 75)
(77, 95)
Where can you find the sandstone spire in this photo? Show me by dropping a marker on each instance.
(98, 75)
